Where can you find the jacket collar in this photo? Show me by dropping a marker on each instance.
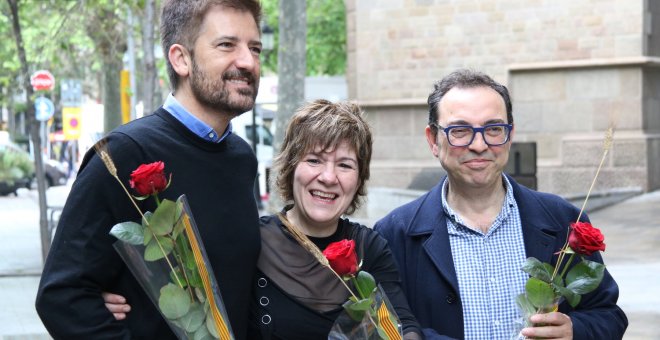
(540, 228)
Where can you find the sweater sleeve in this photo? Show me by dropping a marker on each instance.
(82, 262)
(379, 262)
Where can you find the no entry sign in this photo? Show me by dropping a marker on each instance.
(42, 80)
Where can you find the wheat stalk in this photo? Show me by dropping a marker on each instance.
(101, 148)
(607, 144)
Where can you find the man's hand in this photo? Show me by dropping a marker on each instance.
(550, 326)
(116, 304)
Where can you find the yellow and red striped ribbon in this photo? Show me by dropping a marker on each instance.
(386, 324)
(220, 324)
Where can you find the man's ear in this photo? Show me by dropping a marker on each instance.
(432, 139)
(180, 60)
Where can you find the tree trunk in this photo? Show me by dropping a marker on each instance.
(11, 110)
(34, 130)
(111, 93)
(108, 33)
(149, 71)
(291, 67)
(291, 64)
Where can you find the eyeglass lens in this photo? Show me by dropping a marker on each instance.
(464, 135)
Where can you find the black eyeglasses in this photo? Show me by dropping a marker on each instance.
(463, 135)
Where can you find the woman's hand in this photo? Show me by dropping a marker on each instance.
(116, 304)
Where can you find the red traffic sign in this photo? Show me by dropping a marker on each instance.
(42, 80)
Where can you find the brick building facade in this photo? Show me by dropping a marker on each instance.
(572, 66)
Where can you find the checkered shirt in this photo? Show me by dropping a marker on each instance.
(488, 269)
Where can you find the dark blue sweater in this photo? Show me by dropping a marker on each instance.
(217, 179)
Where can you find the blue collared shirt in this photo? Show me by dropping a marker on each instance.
(488, 269)
(193, 124)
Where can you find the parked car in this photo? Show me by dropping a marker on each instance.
(16, 168)
(56, 172)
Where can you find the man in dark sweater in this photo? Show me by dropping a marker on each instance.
(212, 50)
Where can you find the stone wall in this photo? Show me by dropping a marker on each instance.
(573, 67)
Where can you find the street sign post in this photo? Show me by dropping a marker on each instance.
(71, 92)
(42, 80)
(44, 108)
(71, 117)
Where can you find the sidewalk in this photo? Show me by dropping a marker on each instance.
(20, 251)
(631, 229)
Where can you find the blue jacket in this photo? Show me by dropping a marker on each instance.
(417, 235)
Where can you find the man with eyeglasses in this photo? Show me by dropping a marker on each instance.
(461, 246)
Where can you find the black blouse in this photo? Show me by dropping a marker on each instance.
(276, 312)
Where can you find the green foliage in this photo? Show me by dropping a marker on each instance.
(173, 301)
(540, 293)
(161, 221)
(129, 232)
(182, 300)
(541, 289)
(158, 248)
(194, 319)
(14, 165)
(326, 36)
(365, 283)
(585, 276)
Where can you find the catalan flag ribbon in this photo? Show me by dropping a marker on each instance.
(382, 324)
(176, 275)
(386, 323)
(218, 319)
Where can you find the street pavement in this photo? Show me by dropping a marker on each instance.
(631, 229)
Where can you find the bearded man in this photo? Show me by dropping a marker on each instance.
(212, 50)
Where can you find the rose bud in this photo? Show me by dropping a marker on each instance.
(585, 239)
(342, 257)
(149, 179)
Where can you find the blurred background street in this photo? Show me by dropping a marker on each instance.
(631, 229)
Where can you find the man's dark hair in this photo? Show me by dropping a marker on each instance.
(181, 20)
(465, 79)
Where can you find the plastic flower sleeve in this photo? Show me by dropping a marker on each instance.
(170, 263)
(381, 313)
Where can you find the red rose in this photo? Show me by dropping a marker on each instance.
(585, 239)
(149, 179)
(342, 257)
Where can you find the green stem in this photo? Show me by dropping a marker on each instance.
(560, 259)
(148, 227)
(343, 282)
(179, 260)
(606, 148)
(568, 264)
(362, 297)
(355, 284)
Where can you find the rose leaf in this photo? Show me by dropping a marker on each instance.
(154, 252)
(192, 320)
(365, 284)
(527, 307)
(572, 298)
(129, 232)
(145, 223)
(537, 269)
(202, 334)
(355, 311)
(585, 276)
(162, 222)
(210, 326)
(540, 293)
(173, 301)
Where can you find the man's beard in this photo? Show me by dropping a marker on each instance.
(213, 93)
